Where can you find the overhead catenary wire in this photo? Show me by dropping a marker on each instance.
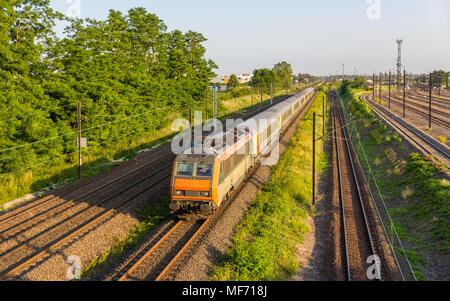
(88, 129)
(35, 113)
(371, 175)
(35, 165)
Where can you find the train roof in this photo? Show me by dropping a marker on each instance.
(270, 114)
(277, 110)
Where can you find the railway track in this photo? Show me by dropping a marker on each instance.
(160, 255)
(161, 258)
(51, 239)
(443, 97)
(443, 104)
(417, 137)
(357, 239)
(85, 188)
(436, 120)
(15, 258)
(417, 103)
(22, 222)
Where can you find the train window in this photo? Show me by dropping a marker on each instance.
(185, 169)
(204, 170)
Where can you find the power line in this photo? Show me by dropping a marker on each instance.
(34, 113)
(88, 129)
(31, 166)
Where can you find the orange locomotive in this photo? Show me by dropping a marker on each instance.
(200, 183)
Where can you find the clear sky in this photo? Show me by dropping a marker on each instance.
(315, 36)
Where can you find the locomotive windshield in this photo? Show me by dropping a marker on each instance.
(204, 170)
(185, 169)
(194, 170)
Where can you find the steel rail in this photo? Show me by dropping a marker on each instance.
(422, 106)
(136, 265)
(77, 230)
(341, 193)
(39, 203)
(442, 149)
(436, 120)
(180, 253)
(443, 104)
(357, 186)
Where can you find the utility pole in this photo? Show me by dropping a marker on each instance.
(399, 62)
(215, 103)
(323, 116)
(190, 126)
(404, 93)
(206, 100)
(389, 90)
(251, 93)
(314, 160)
(429, 119)
(314, 153)
(380, 84)
(271, 93)
(373, 84)
(79, 140)
(190, 117)
(261, 95)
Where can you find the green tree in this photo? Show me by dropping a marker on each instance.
(234, 82)
(123, 66)
(439, 78)
(283, 71)
(263, 78)
(358, 82)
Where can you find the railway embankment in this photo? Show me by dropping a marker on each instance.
(411, 193)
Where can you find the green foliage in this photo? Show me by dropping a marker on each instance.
(129, 72)
(283, 71)
(358, 82)
(439, 78)
(263, 78)
(234, 82)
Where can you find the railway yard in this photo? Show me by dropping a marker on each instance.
(90, 216)
(131, 154)
(86, 218)
(38, 238)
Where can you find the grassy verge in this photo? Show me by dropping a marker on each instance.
(417, 196)
(265, 242)
(100, 158)
(150, 217)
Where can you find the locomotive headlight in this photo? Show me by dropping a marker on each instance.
(179, 192)
(204, 193)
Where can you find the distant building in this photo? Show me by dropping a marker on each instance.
(244, 78)
(223, 80)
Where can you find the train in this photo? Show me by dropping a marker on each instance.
(200, 183)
